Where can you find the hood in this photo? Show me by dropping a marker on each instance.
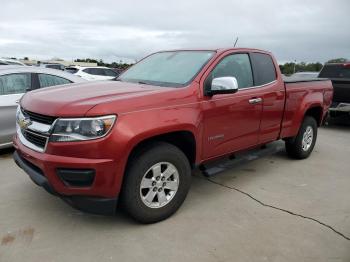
(77, 99)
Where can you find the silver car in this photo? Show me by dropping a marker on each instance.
(14, 82)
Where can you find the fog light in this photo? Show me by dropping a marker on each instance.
(76, 177)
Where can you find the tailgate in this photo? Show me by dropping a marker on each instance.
(341, 91)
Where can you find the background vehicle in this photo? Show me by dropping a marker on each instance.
(6, 61)
(71, 69)
(137, 138)
(53, 66)
(95, 73)
(118, 70)
(14, 82)
(339, 73)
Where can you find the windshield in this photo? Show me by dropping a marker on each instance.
(172, 69)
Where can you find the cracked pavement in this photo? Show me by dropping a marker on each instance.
(216, 222)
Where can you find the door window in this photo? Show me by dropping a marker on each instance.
(264, 68)
(109, 72)
(15, 83)
(95, 71)
(236, 65)
(46, 80)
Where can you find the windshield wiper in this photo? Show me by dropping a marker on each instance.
(143, 83)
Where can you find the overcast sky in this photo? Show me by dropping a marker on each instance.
(299, 30)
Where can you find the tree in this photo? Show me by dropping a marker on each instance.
(86, 60)
(288, 68)
(100, 62)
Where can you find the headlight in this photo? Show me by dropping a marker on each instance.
(80, 129)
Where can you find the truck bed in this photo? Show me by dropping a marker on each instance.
(299, 92)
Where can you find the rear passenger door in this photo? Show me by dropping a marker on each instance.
(271, 90)
(12, 88)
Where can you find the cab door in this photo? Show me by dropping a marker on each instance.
(272, 92)
(231, 121)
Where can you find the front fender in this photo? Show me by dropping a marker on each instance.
(135, 127)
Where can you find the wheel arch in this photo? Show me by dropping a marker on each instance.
(316, 112)
(185, 140)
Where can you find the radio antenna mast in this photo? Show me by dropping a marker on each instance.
(235, 42)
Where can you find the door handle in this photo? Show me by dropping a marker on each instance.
(255, 100)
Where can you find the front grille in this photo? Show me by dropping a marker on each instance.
(35, 139)
(39, 118)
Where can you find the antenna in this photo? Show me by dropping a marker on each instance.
(235, 42)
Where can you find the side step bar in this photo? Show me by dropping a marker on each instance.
(216, 167)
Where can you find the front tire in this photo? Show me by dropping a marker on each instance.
(301, 146)
(156, 183)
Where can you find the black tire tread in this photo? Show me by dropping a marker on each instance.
(130, 199)
(294, 144)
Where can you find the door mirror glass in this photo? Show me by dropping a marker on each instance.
(223, 85)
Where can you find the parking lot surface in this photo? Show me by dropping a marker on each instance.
(270, 209)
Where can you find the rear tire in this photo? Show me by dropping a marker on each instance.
(301, 146)
(156, 182)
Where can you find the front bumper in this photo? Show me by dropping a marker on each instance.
(95, 205)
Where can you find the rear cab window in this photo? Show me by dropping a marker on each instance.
(263, 69)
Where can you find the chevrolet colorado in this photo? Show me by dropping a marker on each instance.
(136, 139)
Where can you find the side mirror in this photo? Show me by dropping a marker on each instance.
(223, 85)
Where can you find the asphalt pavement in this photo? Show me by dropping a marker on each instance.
(269, 208)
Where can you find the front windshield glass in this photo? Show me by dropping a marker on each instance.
(172, 69)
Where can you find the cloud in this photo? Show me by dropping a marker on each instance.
(301, 30)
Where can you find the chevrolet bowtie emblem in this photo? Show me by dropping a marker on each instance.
(24, 122)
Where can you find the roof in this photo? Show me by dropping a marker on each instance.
(218, 50)
(5, 70)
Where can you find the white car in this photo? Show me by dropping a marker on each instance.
(6, 61)
(93, 73)
(17, 80)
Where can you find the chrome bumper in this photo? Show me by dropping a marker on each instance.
(341, 107)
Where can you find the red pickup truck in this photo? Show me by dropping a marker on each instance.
(136, 139)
